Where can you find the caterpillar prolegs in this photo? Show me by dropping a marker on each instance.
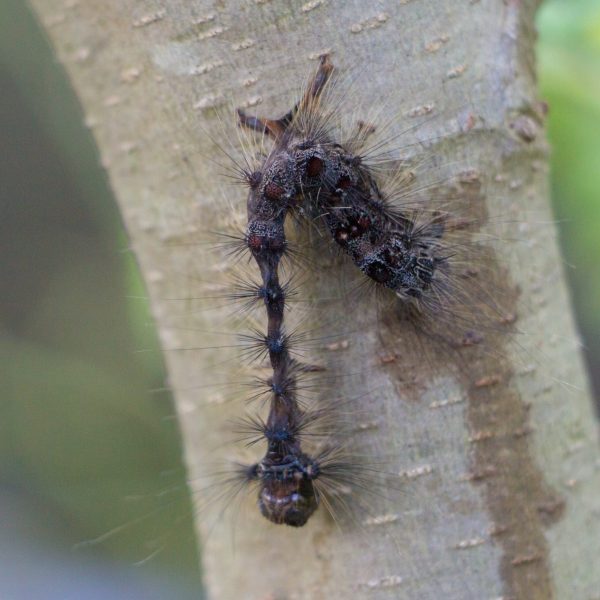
(310, 175)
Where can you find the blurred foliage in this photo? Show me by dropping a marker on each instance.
(569, 72)
(84, 446)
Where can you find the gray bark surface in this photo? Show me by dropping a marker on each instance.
(500, 464)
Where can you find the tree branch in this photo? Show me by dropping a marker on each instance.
(502, 486)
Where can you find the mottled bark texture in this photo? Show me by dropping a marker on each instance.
(500, 460)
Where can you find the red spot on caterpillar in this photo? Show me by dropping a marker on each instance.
(344, 183)
(273, 191)
(314, 166)
(254, 241)
(364, 223)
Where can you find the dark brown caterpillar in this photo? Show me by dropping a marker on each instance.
(308, 172)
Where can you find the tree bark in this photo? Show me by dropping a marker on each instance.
(501, 466)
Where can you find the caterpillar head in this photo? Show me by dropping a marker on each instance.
(290, 502)
(287, 494)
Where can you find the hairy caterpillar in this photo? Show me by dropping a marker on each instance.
(455, 313)
(406, 247)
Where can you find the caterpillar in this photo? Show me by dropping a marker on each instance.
(408, 245)
(309, 174)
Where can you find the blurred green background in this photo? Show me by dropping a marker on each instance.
(568, 53)
(85, 445)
